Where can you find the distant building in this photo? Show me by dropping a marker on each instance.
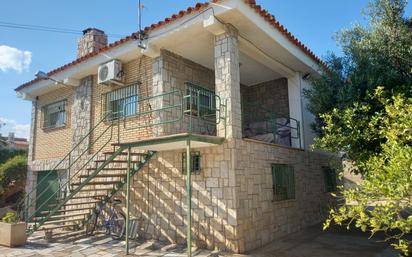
(14, 142)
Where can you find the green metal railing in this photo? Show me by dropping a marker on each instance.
(67, 163)
(174, 107)
(267, 125)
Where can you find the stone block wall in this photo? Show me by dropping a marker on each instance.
(270, 95)
(260, 218)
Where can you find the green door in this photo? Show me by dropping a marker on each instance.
(47, 186)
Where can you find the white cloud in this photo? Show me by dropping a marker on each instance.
(20, 130)
(14, 59)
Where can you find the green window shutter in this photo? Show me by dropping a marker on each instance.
(195, 163)
(283, 177)
(330, 179)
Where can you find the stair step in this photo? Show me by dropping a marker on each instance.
(52, 227)
(53, 222)
(62, 216)
(94, 189)
(118, 161)
(125, 153)
(71, 204)
(68, 210)
(108, 169)
(63, 235)
(87, 196)
(96, 183)
(110, 175)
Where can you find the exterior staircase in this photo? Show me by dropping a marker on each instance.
(94, 185)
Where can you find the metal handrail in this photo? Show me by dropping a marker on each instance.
(182, 105)
(71, 164)
(272, 117)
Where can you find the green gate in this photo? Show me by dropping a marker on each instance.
(47, 185)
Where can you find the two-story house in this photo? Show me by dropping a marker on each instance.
(221, 81)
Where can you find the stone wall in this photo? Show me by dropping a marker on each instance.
(270, 95)
(260, 218)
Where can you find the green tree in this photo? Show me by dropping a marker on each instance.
(12, 176)
(383, 202)
(363, 109)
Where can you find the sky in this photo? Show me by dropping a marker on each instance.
(24, 52)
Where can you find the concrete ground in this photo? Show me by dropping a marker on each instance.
(312, 242)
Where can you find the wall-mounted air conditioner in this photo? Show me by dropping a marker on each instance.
(110, 72)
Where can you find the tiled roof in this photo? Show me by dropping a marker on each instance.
(199, 6)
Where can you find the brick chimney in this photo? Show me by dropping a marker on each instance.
(92, 41)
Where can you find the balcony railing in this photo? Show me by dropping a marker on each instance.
(198, 110)
(268, 126)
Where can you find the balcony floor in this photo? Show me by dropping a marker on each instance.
(175, 142)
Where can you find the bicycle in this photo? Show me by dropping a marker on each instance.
(108, 220)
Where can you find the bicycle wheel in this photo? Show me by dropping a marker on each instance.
(91, 224)
(118, 225)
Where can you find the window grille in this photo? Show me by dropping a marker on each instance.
(195, 163)
(122, 102)
(54, 115)
(283, 182)
(203, 100)
(329, 175)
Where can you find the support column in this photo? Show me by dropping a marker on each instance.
(227, 77)
(189, 197)
(31, 179)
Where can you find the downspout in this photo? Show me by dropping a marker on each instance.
(302, 123)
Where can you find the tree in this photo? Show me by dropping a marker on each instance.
(363, 109)
(12, 176)
(383, 202)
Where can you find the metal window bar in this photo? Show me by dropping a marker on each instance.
(195, 160)
(283, 182)
(54, 115)
(170, 107)
(330, 179)
(115, 102)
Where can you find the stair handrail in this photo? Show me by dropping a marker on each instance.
(26, 202)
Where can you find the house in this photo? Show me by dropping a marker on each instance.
(215, 89)
(14, 142)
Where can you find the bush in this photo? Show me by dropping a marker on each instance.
(10, 218)
(12, 176)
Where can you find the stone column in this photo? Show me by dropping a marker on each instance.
(81, 119)
(31, 179)
(227, 77)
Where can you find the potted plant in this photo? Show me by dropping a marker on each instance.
(12, 232)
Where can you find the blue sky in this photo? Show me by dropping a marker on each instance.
(313, 22)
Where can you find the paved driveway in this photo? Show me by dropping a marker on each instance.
(311, 242)
(314, 242)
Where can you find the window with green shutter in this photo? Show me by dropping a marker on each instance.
(329, 175)
(283, 177)
(195, 163)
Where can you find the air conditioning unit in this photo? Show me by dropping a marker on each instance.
(110, 72)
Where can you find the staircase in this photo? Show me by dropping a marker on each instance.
(94, 179)
(95, 185)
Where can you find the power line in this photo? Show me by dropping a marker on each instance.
(48, 29)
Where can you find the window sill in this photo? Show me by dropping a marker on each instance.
(48, 129)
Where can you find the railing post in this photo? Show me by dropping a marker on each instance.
(128, 199)
(189, 197)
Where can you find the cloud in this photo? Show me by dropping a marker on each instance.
(20, 130)
(14, 59)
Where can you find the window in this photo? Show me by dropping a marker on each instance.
(203, 100)
(283, 177)
(329, 175)
(122, 102)
(195, 163)
(54, 115)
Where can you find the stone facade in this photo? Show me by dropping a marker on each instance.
(233, 202)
